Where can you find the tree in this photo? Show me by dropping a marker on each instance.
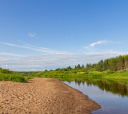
(88, 65)
(5, 71)
(100, 66)
(113, 64)
(75, 67)
(82, 66)
(57, 69)
(46, 70)
(121, 62)
(78, 66)
(105, 65)
(126, 61)
(69, 68)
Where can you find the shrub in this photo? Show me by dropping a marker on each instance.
(109, 72)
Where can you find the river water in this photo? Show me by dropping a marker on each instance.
(113, 98)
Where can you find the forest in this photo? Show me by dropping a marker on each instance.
(114, 64)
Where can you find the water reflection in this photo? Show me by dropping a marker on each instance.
(106, 85)
(112, 96)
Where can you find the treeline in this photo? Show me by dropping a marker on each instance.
(114, 64)
(5, 71)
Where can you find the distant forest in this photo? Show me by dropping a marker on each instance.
(114, 64)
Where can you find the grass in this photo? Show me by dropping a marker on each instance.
(117, 76)
(14, 77)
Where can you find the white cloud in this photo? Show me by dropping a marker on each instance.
(11, 54)
(33, 35)
(51, 59)
(9, 44)
(98, 43)
(39, 49)
(39, 63)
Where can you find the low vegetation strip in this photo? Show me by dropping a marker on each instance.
(6, 75)
(115, 69)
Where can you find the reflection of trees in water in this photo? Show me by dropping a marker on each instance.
(78, 82)
(107, 85)
(110, 86)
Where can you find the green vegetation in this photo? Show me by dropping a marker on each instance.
(114, 69)
(6, 75)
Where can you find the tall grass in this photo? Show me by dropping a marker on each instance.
(12, 77)
(6, 75)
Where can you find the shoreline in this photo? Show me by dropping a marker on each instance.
(43, 96)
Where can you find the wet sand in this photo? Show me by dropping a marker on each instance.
(43, 96)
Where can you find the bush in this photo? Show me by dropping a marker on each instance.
(12, 77)
(109, 72)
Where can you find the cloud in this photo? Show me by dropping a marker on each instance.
(50, 59)
(99, 42)
(40, 63)
(9, 44)
(96, 43)
(11, 54)
(39, 49)
(33, 35)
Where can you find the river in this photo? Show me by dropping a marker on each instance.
(112, 97)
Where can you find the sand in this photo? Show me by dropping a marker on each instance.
(43, 96)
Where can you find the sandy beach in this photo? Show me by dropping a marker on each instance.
(43, 96)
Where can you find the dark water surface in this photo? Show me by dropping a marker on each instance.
(112, 97)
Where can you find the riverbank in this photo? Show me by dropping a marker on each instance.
(41, 96)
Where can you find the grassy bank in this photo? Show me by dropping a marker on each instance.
(6, 75)
(120, 76)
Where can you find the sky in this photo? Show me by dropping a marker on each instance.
(47, 34)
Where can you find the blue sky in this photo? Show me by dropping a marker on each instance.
(47, 34)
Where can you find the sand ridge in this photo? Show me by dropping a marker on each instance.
(43, 96)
